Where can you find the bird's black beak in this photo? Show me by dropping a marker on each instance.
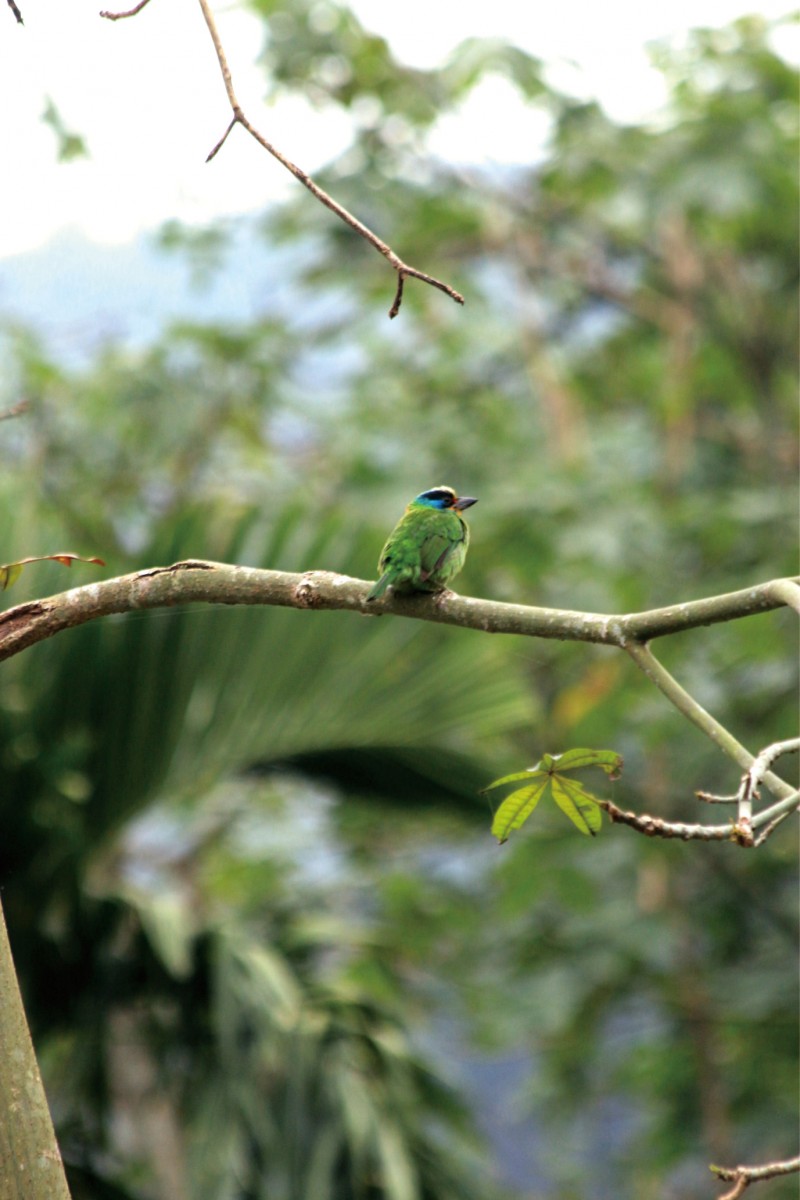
(465, 502)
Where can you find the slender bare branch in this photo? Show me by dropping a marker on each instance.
(222, 141)
(748, 789)
(15, 10)
(764, 759)
(120, 16)
(734, 831)
(402, 268)
(769, 829)
(686, 704)
(16, 410)
(657, 827)
(742, 1177)
(776, 812)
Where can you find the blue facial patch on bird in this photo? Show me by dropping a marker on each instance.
(438, 497)
(443, 498)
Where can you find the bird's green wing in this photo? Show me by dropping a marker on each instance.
(435, 551)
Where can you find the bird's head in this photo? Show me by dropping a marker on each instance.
(442, 498)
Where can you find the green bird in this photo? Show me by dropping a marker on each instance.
(428, 545)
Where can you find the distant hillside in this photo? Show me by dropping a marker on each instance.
(80, 295)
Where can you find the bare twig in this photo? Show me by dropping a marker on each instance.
(742, 1177)
(402, 268)
(751, 779)
(120, 16)
(764, 759)
(734, 831)
(16, 411)
(16, 12)
(748, 791)
(657, 827)
(221, 141)
(785, 812)
(775, 814)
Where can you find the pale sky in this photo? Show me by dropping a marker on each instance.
(147, 96)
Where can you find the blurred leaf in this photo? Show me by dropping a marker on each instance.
(70, 145)
(166, 922)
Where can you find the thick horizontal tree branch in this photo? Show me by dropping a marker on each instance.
(197, 581)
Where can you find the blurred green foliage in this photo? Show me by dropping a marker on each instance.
(248, 846)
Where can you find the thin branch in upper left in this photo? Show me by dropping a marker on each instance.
(120, 16)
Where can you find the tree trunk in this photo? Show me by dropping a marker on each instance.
(30, 1161)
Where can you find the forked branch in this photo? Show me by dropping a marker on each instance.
(742, 1177)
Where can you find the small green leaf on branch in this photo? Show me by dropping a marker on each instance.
(580, 805)
(10, 572)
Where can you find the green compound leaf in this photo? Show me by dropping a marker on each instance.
(579, 805)
(608, 760)
(516, 808)
(574, 800)
(515, 778)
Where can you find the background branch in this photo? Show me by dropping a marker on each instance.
(130, 12)
(403, 269)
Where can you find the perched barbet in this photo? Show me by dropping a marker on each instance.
(428, 545)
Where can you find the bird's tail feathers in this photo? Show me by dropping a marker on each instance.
(377, 589)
